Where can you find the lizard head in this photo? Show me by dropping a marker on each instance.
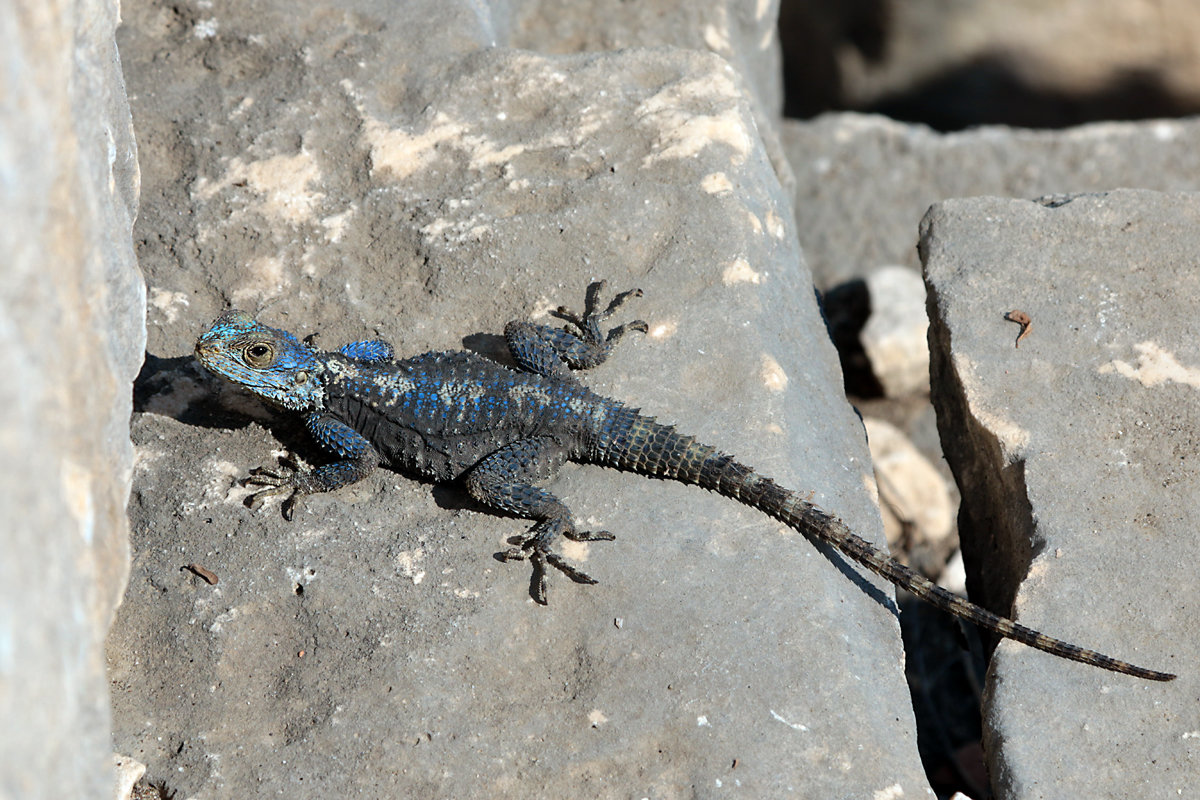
(270, 362)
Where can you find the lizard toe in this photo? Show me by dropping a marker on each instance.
(589, 536)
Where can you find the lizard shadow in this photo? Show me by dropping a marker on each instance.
(179, 388)
(491, 346)
(859, 577)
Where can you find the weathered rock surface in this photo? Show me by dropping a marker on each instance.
(71, 338)
(1078, 462)
(741, 33)
(348, 175)
(864, 182)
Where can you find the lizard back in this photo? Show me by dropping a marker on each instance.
(437, 415)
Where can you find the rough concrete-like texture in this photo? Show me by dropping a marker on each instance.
(71, 339)
(347, 174)
(864, 182)
(743, 33)
(1077, 457)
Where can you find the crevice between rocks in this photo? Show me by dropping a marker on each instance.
(995, 517)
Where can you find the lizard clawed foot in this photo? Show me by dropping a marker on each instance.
(277, 484)
(589, 322)
(535, 547)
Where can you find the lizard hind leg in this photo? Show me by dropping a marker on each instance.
(504, 481)
(550, 351)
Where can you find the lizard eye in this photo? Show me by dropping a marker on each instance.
(258, 355)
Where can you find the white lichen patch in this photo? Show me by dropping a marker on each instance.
(484, 152)
(222, 619)
(206, 28)
(262, 278)
(76, 482)
(717, 36)
(755, 223)
(775, 225)
(772, 374)
(716, 183)
(146, 458)
(410, 564)
(542, 307)
(224, 483)
(575, 551)
(1155, 365)
(282, 181)
(402, 152)
(166, 302)
(740, 271)
(470, 229)
(664, 329)
(242, 107)
(676, 111)
(893, 792)
(768, 37)
(335, 224)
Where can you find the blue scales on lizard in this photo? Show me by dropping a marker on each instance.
(459, 416)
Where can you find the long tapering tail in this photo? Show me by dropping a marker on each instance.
(641, 444)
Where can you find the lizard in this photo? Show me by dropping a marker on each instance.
(501, 431)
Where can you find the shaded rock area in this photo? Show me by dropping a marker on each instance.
(71, 339)
(1079, 454)
(337, 174)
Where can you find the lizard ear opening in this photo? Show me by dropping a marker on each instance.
(258, 355)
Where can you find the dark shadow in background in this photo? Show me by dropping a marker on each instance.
(811, 32)
(987, 90)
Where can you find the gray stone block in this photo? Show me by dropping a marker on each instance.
(1076, 456)
(71, 339)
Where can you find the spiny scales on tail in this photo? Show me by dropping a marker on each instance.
(455, 415)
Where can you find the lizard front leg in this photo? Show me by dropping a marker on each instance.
(358, 457)
(368, 351)
(504, 481)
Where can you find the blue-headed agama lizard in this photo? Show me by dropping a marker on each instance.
(457, 415)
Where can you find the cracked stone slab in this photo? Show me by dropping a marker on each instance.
(375, 645)
(1077, 456)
